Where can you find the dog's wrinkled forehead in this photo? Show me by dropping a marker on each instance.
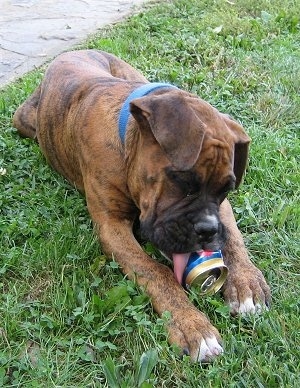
(186, 127)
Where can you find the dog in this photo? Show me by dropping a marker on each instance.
(158, 154)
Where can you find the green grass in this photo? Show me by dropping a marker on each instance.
(68, 318)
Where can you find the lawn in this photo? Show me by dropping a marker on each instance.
(68, 317)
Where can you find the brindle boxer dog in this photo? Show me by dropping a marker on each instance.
(171, 164)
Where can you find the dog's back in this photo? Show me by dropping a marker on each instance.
(65, 72)
(76, 84)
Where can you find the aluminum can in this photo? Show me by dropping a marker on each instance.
(206, 271)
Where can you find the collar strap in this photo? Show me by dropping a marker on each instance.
(141, 91)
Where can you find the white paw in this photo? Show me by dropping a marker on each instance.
(245, 307)
(209, 349)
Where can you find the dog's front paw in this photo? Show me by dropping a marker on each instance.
(246, 291)
(195, 335)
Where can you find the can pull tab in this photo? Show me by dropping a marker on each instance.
(208, 283)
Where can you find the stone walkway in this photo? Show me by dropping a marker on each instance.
(34, 31)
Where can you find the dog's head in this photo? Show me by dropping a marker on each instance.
(187, 158)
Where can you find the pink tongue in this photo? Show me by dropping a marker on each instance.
(180, 261)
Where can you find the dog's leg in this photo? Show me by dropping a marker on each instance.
(188, 327)
(245, 289)
(25, 116)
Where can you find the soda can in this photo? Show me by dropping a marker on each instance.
(206, 271)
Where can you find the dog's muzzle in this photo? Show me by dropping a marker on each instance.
(185, 233)
(179, 232)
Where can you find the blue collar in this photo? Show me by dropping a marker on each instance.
(141, 91)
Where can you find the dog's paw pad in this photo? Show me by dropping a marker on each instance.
(209, 349)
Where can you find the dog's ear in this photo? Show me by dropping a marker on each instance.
(174, 125)
(241, 148)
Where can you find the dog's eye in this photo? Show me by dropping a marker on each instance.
(192, 191)
(193, 187)
(229, 186)
(188, 182)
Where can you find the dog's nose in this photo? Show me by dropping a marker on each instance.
(206, 228)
